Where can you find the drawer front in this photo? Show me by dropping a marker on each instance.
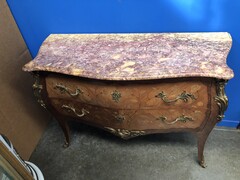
(103, 117)
(168, 119)
(148, 119)
(131, 95)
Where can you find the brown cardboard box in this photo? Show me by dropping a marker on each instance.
(22, 120)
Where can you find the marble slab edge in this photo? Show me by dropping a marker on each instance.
(123, 57)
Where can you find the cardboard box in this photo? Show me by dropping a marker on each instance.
(22, 120)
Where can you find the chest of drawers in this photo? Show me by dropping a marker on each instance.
(135, 84)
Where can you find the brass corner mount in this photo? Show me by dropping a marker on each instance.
(221, 98)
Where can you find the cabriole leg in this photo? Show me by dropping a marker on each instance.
(201, 143)
(222, 103)
(65, 127)
(202, 137)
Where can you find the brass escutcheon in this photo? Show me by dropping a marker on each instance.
(119, 118)
(116, 96)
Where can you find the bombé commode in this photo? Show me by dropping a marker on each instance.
(135, 84)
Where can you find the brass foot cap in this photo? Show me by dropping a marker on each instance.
(202, 163)
(66, 144)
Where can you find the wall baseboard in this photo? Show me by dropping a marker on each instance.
(229, 123)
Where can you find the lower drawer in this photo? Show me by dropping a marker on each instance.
(100, 116)
(141, 119)
(168, 119)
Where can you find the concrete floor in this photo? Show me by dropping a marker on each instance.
(96, 154)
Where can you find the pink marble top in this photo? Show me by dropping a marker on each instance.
(135, 56)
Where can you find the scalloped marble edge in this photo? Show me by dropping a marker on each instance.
(219, 36)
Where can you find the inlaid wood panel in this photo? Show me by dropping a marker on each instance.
(145, 119)
(104, 117)
(131, 95)
(168, 119)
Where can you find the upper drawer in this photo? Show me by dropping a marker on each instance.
(187, 93)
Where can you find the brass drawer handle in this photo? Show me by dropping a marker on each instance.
(184, 96)
(69, 108)
(64, 89)
(181, 118)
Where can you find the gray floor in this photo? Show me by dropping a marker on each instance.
(95, 154)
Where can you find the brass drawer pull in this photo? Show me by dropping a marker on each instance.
(184, 96)
(181, 118)
(64, 89)
(69, 108)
